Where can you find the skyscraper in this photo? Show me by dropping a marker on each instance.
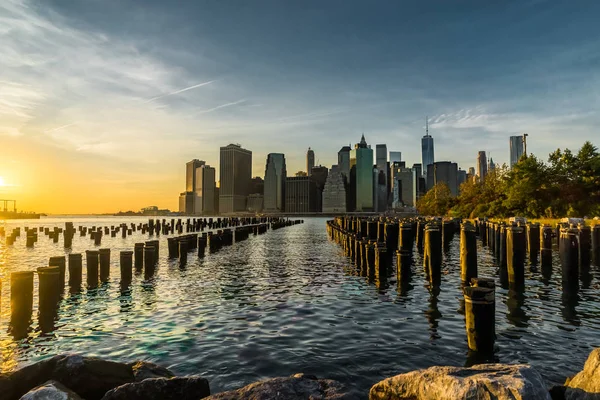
(300, 195)
(310, 161)
(344, 162)
(361, 162)
(395, 156)
(204, 199)
(235, 175)
(190, 174)
(427, 148)
(319, 176)
(491, 164)
(275, 175)
(516, 149)
(380, 179)
(481, 165)
(443, 171)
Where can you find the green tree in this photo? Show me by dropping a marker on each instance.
(528, 189)
(437, 201)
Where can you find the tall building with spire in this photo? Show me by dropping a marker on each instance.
(361, 175)
(310, 161)
(427, 154)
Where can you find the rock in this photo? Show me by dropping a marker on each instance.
(91, 377)
(51, 390)
(144, 370)
(296, 387)
(587, 380)
(180, 388)
(485, 381)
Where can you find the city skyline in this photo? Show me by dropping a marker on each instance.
(101, 107)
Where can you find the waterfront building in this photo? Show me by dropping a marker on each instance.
(255, 202)
(186, 203)
(300, 195)
(310, 161)
(427, 154)
(235, 175)
(516, 149)
(190, 174)
(344, 162)
(443, 171)
(418, 183)
(204, 193)
(404, 179)
(481, 166)
(361, 165)
(491, 165)
(334, 192)
(257, 185)
(274, 183)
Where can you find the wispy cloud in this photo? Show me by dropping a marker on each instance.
(179, 91)
(234, 103)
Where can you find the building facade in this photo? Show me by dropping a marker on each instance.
(255, 202)
(204, 199)
(481, 165)
(319, 176)
(334, 192)
(380, 178)
(310, 161)
(235, 175)
(361, 161)
(300, 195)
(516, 149)
(274, 184)
(344, 162)
(395, 156)
(443, 171)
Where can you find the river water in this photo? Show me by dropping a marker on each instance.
(289, 301)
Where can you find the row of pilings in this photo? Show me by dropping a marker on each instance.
(372, 242)
(143, 259)
(152, 227)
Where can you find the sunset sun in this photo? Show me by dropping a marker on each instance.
(2, 183)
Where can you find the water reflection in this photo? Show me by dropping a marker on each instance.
(516, 313)
(476, 358)
(433, 313)
(569, 302)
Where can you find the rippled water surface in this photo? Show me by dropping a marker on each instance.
(289, 301)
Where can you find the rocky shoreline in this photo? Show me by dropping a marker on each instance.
(76, 377)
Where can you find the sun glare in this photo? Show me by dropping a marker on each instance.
(2, 181)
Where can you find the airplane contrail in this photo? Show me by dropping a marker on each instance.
(179, 91)
(60, 127)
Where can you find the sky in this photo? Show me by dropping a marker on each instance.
(102, 102)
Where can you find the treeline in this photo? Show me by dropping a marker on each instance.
(567, 185)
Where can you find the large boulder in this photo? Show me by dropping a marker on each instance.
(485, 381)
(51, 390)
(144, 370)
(296, 387)
(181, 388)
(588, 380)
(90, 377)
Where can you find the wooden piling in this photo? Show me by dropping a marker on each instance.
(468, 252)
(92, 261)
(75, 272)
(515, 257)
(480, 316)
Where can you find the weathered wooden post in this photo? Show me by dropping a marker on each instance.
(515, 257)
(585, 247)
(596, 244)
(546, 246)
(432, 256)
(391, 235)
(381, 261)
(173, 245)
(468, 252)
(104, 257)
(202, 245)
(569, 257)
(480, 315)
(92, 260)
(138, 253)
(420, 235)
(75, 272)
(183, 249)
(447, 234)
(98, 238)
(533, 242)
(21, 302)
(60, 262)
(125, 260)
(48, 286)
(149, 260)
